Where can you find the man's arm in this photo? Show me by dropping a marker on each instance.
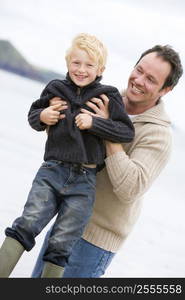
(114, 131)
(132, 173)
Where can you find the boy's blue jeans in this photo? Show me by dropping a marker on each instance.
(65, 189)
(85, 261)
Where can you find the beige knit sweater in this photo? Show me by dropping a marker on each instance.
(127, 176)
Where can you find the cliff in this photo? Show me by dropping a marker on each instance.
(12, 60)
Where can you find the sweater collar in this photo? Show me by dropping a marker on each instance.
(155, 115)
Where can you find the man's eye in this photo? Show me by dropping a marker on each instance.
(139, 70)
(151, 80)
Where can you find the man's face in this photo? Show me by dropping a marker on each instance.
(146, 81)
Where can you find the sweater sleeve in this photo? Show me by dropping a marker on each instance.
(118, 128)
(36, 109)
(132, 175)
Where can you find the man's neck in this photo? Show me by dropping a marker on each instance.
(133, 108)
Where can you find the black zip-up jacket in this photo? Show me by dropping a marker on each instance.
(66, 142)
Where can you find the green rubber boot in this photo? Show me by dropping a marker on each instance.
(52, 271)
(10, 252)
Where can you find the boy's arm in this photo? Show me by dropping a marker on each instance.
(34, 115)
(39, 114)
(118, 127)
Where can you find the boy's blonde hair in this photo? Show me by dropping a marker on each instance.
(94, 48)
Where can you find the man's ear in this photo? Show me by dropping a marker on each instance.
(165, 90)
(101, 70)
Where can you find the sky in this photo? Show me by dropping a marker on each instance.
(42, 31)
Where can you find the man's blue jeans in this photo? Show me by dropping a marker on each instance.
(85, 261)
(63, 189)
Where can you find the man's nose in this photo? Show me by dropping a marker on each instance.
(140, 79)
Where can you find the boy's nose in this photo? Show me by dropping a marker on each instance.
(81, 69)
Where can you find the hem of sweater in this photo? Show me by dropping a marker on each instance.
(69, 159)
(102, 238)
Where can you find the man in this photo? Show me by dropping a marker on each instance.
(130, 168)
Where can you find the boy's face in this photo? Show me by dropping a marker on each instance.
(82, 68)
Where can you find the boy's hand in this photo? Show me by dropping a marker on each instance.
(51, 114)
(83, 121)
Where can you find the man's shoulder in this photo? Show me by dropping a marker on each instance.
(149, 131)
(155, 115)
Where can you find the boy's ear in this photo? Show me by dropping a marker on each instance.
(101, 70)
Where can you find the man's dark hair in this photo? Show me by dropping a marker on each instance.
(172, 57)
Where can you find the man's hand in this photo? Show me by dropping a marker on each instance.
(57, 100)
(99, 106)
(83, 121)
(51, 114)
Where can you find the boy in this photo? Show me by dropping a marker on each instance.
(65, 183)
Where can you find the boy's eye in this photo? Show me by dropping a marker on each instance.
(75, 62)
(90, 65)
